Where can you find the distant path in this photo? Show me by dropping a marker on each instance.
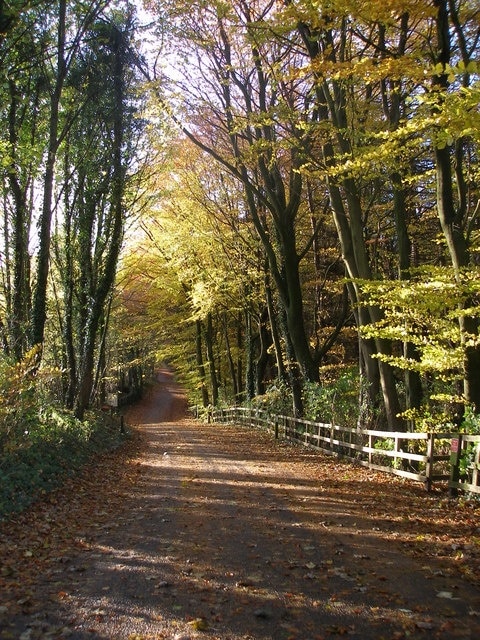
(223, 537)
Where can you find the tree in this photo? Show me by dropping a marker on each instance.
(457, 212)
(332, 47)
(97, 152)
(23, 101)
(425, 136)
(9, 15)
(206, 260)
(70, 29)
(247, 113)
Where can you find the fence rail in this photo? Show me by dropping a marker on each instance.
(424, 457)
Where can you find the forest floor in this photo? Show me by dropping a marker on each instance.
(207, 531)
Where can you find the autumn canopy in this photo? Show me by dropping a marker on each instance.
(280, 198)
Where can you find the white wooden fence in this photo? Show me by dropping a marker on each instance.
(424, 457)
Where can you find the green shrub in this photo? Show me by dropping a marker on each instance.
(39, 442)
(58, 445)
(277, 400)
(471, 421)
(334, 402)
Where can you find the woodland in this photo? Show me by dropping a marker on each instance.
(279, 198)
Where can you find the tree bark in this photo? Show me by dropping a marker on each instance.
(231, 363)
(116, 213)
(39, 306)
(20, 303)
(211, 360)
(331, 104)
(452, 214)
(200, 363)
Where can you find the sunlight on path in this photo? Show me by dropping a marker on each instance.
(227, 537)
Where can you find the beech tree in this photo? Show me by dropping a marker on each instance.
(366, 62)
(199, 247)
(336, 47)
(424, 135)
(247, 113)
(457, 202)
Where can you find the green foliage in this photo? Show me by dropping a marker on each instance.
(471, 425)
(386, 444)
(466, 460)
(430, 418)
(425, 312)
(471, 421)
(276, 401)
(57, 445)
(40, 443)
(335, 401)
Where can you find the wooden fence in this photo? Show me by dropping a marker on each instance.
(424, 457)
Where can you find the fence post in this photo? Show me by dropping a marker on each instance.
(276, 428)
(455, 455)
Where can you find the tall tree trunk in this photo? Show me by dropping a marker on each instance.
(101, 363)
(393, 103)
(209, 337)
(262, 359)
(116, 213)
(7, 279)
(231, 364)
(331, 107)
(39, 307)
(70, 363)
(354, 256)
(452, 215)
(294, 376)
(292, 298)
(413, 383)
(250, 359)
(21, 287)
(240, 344)
(200, 363)
(273, 319)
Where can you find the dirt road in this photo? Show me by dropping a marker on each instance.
(216, 536)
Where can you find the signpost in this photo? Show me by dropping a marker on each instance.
(112, 400)
(455, 453)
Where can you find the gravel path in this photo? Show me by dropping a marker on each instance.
(219, 537)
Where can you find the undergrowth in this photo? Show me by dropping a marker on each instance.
(41, 443)
(59, 448)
